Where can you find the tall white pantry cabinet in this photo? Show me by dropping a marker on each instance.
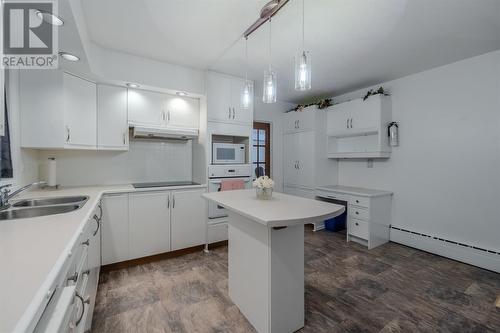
(305, 161)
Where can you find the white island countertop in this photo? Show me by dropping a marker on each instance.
(32, 250)
(281, 210)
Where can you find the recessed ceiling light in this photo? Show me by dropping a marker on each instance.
(133, 85)
(181, 93)
(49, 18)
(69, 56)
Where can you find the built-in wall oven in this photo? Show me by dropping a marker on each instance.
(228, 153)
(217, 174)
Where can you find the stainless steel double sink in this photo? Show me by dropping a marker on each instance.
(44, 206)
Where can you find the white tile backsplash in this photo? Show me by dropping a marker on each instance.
(146, 161)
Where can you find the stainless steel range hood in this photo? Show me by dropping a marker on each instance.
(165, 133)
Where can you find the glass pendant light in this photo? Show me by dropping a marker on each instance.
(247, 94)
(303, 62)
(269, 84)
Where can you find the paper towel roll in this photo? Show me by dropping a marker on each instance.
(51, 172)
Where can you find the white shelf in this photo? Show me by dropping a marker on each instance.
(372, 154)
(354, 132)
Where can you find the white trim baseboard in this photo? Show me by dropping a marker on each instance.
(469, 254)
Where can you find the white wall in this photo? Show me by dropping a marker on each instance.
(273, 114)
(445, 174)
(146, 161)
(24, 161)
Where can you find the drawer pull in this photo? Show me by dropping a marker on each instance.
(357, 201)
(356, 223)
(87, 242)
(357, 213)
(279, 228)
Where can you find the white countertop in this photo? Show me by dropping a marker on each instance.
(33, 249)
(281, 210)
(364, 192)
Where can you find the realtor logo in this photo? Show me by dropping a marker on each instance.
(28, 41)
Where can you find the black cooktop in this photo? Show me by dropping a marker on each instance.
(164, 184)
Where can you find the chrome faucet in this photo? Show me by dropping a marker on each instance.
(5, 194)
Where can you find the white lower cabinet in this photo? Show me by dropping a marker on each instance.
(115, 228)
(188, 219)
(149, 216)
(146, 223)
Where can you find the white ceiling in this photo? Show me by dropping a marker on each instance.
(354, 43)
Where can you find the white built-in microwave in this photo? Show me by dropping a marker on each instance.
(228, 153)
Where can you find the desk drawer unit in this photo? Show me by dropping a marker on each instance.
(368, 213)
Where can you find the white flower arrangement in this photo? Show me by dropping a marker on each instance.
(263, 182)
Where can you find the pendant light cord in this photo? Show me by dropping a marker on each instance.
(270, 53)
(303, 25)
(246, 60)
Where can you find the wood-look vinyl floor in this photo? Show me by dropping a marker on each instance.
(392, 288)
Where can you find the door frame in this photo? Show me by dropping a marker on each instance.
(266, 126)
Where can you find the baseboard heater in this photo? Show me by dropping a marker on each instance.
(470, 254)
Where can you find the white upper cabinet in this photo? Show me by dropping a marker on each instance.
(219, 98)
(58, 110)
(224, 100)
(297, 121)
(358, 128)
(182, 112)
(162, 110)
(145, 107)
(355, 115)
(80, 112)
(112, 125)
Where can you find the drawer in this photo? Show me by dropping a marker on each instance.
(333, 195)
(358, 212)
(358, 228)
(359, 201)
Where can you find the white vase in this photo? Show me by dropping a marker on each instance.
(264, 193)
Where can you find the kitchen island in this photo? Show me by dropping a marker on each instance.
(266, 255)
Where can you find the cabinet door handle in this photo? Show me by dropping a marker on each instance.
(68, 134)
(86, 301)
(173, 201)
(298, 123)
(234, 113)
(124, 138)
(347, 123)
(87, 242)
(168, 115)
(351, 122)
(229, 114)
(168, 202)
(98, 225)
(298, 165)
